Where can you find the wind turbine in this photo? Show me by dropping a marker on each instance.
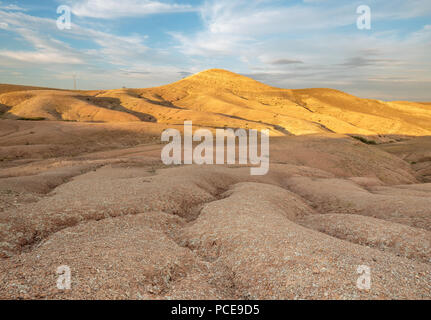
(74, 81)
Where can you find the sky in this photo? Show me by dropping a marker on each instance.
(285, 43)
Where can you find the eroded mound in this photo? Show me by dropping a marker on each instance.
(130, 228)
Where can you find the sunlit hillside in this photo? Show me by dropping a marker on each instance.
(217, 99)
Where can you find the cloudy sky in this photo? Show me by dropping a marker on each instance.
(285, 43)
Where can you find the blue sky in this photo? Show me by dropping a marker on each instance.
(285, 43)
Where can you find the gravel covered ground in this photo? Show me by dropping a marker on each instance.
(130, 228)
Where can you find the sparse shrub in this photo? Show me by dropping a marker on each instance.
(152, 170)
(363, 140)
(32, 119)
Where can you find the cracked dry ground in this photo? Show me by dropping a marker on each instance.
(131, 229)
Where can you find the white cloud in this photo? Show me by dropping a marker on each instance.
(210, 44)
(107, 9)
(40, 57)
(400, 9)
(41, 32)
(116, 60)
(232, 27)
(256, 17)
(11, 7)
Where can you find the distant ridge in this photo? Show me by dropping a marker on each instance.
(5, 88)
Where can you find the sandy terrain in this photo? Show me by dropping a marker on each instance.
(95, 196)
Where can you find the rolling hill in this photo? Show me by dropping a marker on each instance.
(218, 98)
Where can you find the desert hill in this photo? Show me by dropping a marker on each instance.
(218, 98)
(88, 190)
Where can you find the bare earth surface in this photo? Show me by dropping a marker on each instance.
(96, 197)
(130, 228)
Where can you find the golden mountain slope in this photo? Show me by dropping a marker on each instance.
(218, 98)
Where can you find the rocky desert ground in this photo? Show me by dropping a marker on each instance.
(82, 185)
